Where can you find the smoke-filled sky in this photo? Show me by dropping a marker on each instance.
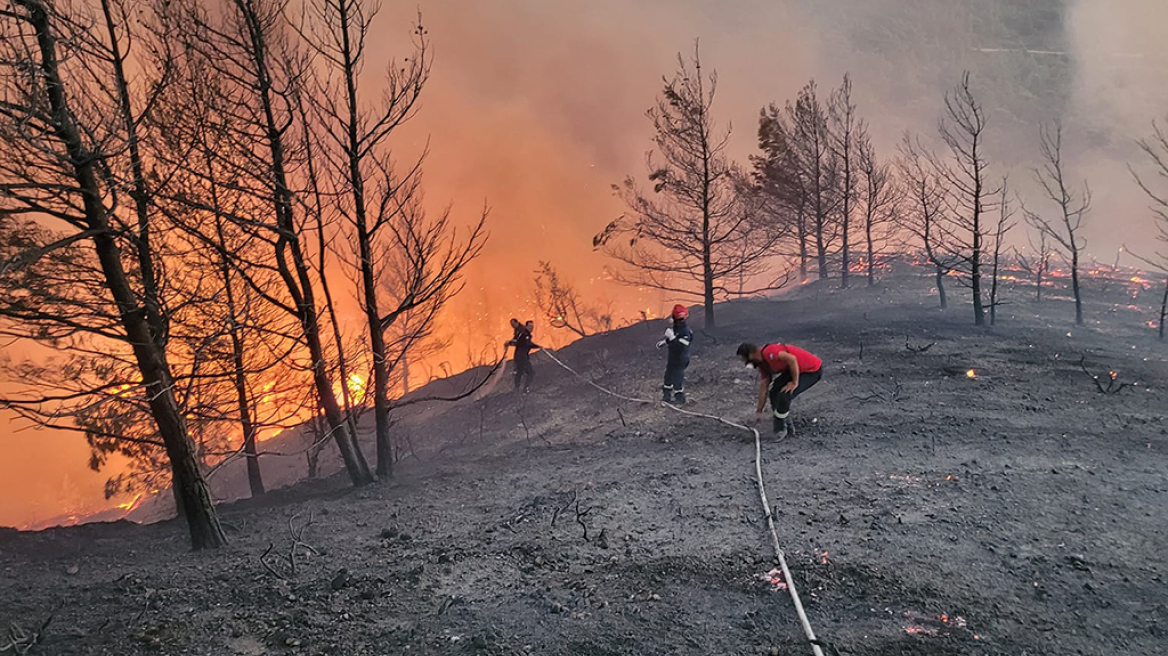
(536, 107)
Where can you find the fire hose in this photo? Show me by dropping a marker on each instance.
(762, 495)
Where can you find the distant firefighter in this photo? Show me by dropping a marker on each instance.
(785, 372)
(522, 341)
(678, 337)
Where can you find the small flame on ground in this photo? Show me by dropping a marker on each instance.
(131, 504)
(971, 374)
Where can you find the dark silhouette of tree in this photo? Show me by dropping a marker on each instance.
(780, 177)
(562, 306)
(1004, 225)
(926, 216)
(702, 224)
(1066, 229)
(880, 199)
(820, 171)
(846, 131)
(1037, 264)
(250, 48)
(81, 264)
(962, 129)
(405, 261)
(1156, 149)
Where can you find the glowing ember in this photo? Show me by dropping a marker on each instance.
(904, 478)
(971, 374)
(933, 625)
(775, 578)
(823, 558)
(916, 630)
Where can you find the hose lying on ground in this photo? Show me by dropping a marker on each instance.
(766, 506)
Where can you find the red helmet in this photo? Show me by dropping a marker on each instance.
(679, 312)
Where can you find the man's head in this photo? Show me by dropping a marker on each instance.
(680, 313)
(515, 324)
(530, 325)
(750, 354)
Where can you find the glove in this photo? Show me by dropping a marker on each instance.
(661, 343)
(669, 334)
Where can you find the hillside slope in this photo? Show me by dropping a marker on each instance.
(1017, 511)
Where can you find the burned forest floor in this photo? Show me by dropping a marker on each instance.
(950, 490)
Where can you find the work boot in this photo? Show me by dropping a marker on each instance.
(667, 395)
(679, 398)
(790, 425)
(780, 427)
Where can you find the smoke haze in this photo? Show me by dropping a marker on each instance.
(536, 107)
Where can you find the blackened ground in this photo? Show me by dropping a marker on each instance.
(1018, 511)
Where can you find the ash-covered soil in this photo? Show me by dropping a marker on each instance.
(923, 511)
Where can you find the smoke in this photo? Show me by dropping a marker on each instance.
(537, 107)
(1120, 56)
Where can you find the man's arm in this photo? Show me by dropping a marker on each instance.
(763, 385)
(793, 369)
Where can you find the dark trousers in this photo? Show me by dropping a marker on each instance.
(781, 401)
(675, 376)
(523, 368)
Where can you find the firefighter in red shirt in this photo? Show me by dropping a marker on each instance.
(785, 372)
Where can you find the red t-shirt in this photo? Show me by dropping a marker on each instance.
(771, 364)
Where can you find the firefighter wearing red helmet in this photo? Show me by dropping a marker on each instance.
(678, 337)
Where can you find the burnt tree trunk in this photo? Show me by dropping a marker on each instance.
(975, 261)
(1163, 309)
(803, 256)
(871, 252)
(193, 497)
(1075, 285)
(353, 152)
(940, 280)
(296, 275)
(255, 479)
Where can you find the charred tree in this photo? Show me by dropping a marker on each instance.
(250, 49)
(1004, 225)
(1038, 264)
(962, 129)
(846, 128)
(1163, 308)
(405, 261)
(702, 223)
(881, 197)
(1066, 229)
(561, 304)
(91, 268)
(781, 177)
(1156, 149)
(926, 216)
(821, 170)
